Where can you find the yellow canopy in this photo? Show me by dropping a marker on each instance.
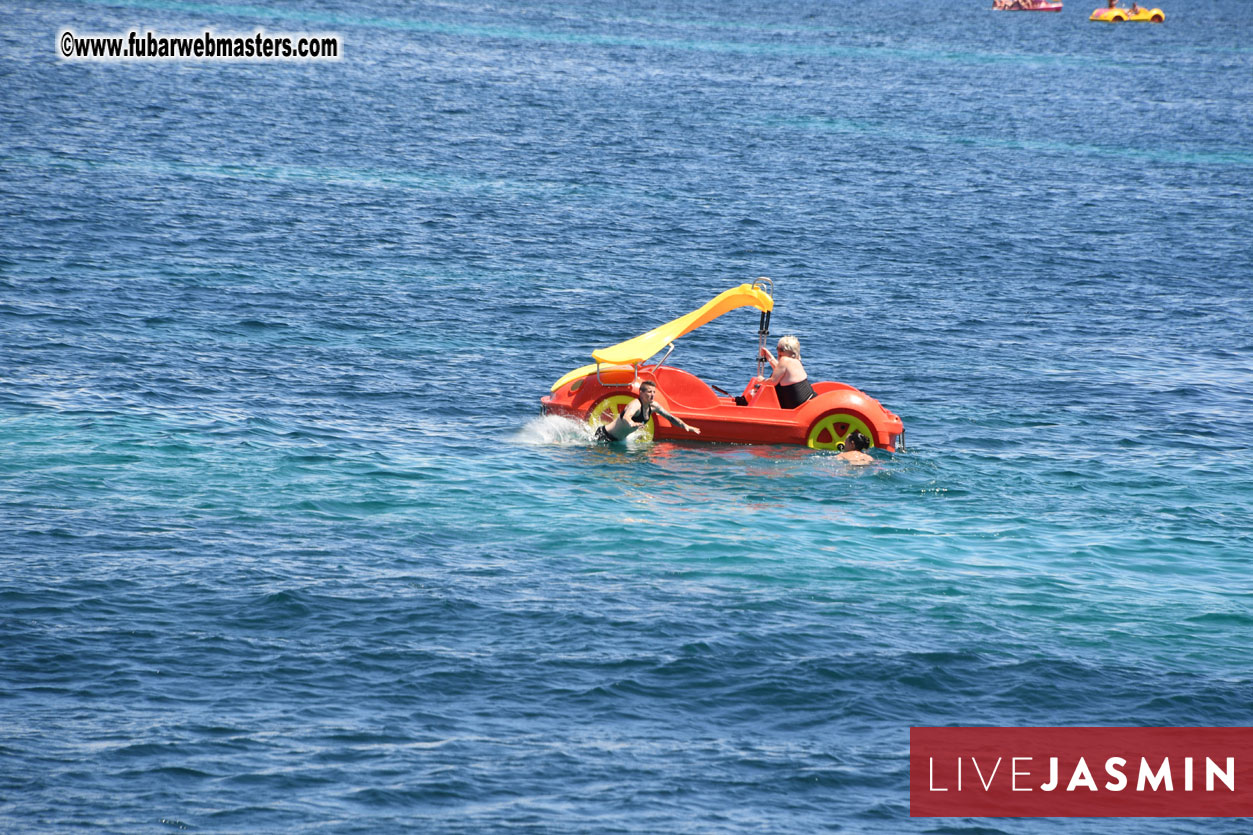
(634, 351)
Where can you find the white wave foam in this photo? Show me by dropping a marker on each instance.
(554, 430)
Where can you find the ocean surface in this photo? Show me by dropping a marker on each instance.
(285, 544)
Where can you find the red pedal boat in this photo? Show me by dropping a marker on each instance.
(1027, 5)
(599, 391)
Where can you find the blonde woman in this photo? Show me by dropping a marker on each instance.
(789, 378)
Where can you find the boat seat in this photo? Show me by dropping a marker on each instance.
(765, 398)
(684, 389)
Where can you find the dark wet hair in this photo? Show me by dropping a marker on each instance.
(652, 383)
(856, 440)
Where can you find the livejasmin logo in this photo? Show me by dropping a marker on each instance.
(1081, 775)
(1081, 772)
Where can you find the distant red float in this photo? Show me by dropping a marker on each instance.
(1027, 5)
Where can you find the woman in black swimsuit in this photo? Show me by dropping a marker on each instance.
(789, 378)
(636, 414)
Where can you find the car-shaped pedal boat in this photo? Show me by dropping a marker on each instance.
(598, 392)
(1118, 15)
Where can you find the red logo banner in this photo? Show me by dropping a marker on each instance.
(1081, 772)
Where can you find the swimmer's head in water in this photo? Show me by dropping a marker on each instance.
(856, 441)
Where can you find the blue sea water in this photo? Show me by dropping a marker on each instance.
(287, 547)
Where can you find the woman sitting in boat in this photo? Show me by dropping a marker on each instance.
(789, 377)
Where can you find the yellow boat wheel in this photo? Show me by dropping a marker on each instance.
(830, 431)
(609, 408)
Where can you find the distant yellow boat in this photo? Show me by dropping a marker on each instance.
(1117, 15)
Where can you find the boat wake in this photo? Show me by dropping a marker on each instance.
(555, 430)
